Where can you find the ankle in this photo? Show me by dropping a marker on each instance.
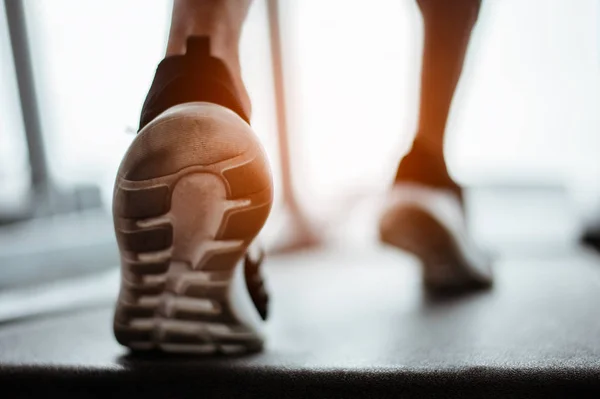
(192, 77)
(230, 58)
(430, 144)
(224, 42)
(220, 21)
(425, 165)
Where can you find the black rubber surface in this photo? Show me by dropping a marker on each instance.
(349, 324)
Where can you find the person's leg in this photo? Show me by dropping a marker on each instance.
(447, 27)
(425, 213)
(221, 21)
(192, 192)
(447, 31)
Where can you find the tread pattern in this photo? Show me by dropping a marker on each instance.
(176, 305)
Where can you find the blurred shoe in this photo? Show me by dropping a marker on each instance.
(192, 192)
(591, 237)
(424, 215)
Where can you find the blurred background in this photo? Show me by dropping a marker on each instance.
(523, 134)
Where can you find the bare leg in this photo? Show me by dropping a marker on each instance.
(425, 213)
(447, 30)
(222, 21)
(447, 26)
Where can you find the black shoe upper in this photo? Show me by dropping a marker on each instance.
(195, 76)
(423, 166)
(255, 282)
(591, 237)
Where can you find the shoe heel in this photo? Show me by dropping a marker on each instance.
(182, 238)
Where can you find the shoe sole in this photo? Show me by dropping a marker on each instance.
(444, 258)
(183, 235)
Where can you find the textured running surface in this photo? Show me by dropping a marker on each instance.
(347, 324)
(192, 192)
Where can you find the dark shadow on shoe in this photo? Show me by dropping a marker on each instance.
(456, 294)
(591, 239)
